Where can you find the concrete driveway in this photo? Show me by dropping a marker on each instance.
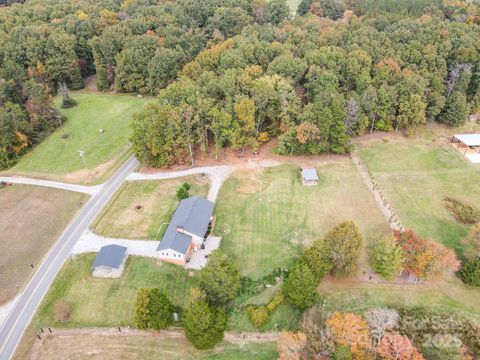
(198, 259)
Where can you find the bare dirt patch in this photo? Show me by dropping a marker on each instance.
(31, 219)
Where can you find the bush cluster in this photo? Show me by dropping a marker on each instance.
(463, 213)
(183, 192)
(470, 272)
(260, 315)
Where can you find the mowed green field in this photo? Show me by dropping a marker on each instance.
(416, 175)
(56, 157)
(110, 302)
(267, 217)
(158, 201)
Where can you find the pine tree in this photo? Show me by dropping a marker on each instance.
(204, 325)
(160, 310)
(317, 258)
(455, 111)
(300, 287)
(142, 312)
(389, 258)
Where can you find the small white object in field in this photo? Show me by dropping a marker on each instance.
(139, 96)
(100, 131)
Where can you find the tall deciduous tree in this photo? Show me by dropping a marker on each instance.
(220, 279)
(455, 111)
(344, 242)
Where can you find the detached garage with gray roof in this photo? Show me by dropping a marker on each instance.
(110, 261)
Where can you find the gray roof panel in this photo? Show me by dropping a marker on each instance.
(110, 256)
(309, 174)
(193, 214)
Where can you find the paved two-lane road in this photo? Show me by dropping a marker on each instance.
(20, 316)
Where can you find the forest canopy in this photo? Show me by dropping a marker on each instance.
(239, 72)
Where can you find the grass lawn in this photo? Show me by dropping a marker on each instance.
(31, 220)
(121, 219)
(446, 296)
(266, 217)
(416, 175)
(146, 347)
(56, 157)
(110, 302)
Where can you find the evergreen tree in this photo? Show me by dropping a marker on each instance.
(204, 325)
(317, 258)
(220, 279)
(142, 312)
(160, 310)
(389, 258)
(455, 111)
(300, 286)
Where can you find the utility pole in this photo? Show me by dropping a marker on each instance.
(82, 155)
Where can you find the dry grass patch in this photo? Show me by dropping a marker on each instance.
(94, 344)
(139, 208)
(31, 220)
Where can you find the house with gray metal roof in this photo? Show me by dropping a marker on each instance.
(309, 176)
(187, 229)
(110, 261)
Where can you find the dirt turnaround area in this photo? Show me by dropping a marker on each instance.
(31, 219)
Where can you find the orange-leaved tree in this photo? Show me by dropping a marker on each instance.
(350, 330)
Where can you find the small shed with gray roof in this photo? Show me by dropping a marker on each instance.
(110, 261)
(309, 176)
(187, 230)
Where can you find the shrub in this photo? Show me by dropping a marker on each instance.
(299, 288)
(182, 194)
(186, 186)
(470, 272)
(63, 310)
(258, 315)
(68, 102)
(463, 213)
(276, 301)
(389, 258)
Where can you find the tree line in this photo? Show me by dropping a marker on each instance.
(314, 83)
